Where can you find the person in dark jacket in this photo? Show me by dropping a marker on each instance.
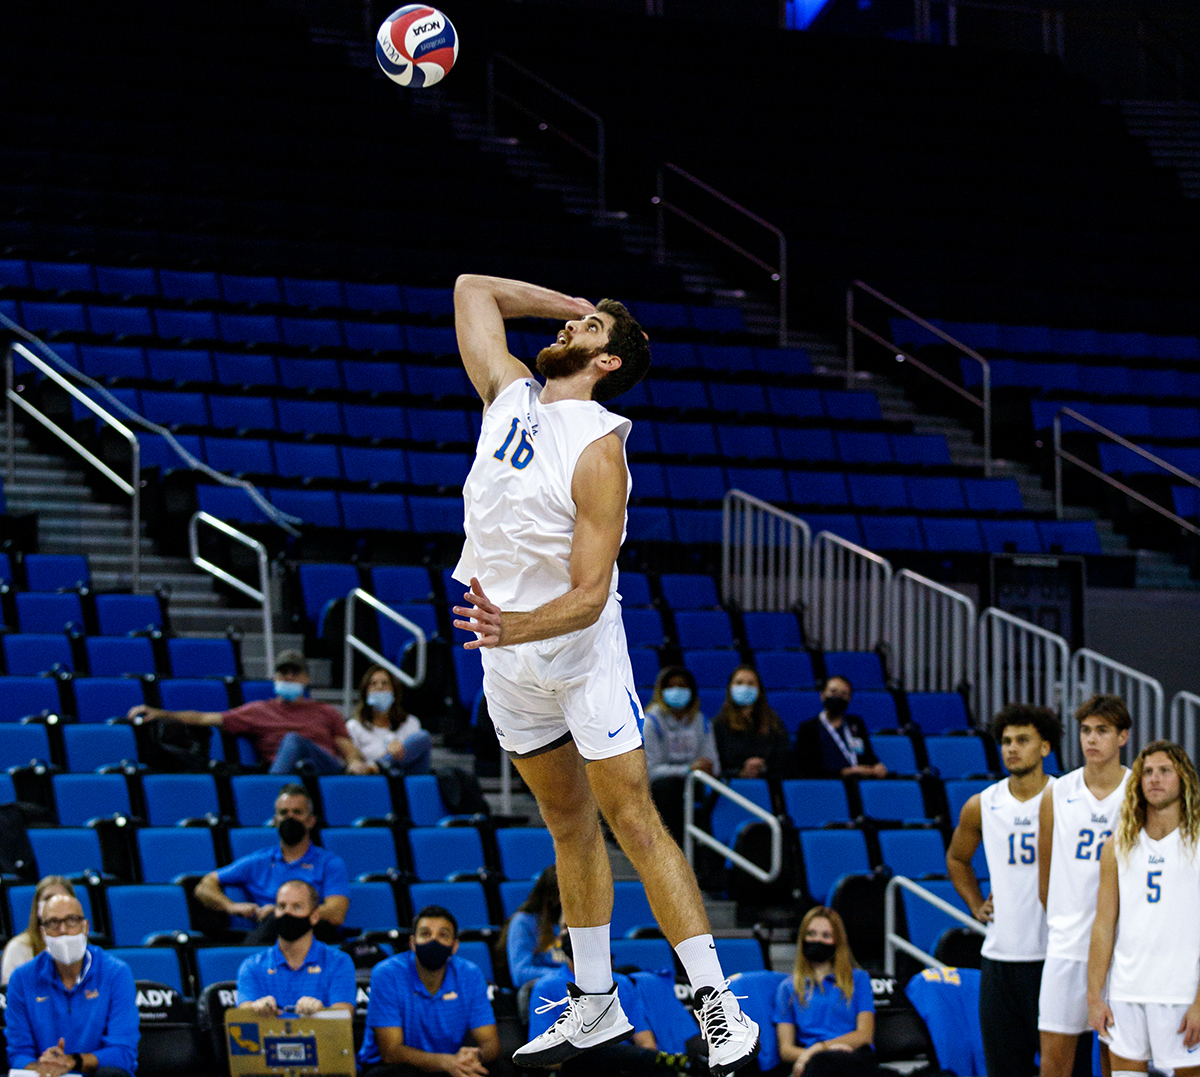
(751, 740)
(835, 743)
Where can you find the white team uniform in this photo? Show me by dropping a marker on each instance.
(520, 522)
(1010, 837)
(1082, 825)
(1156, 959)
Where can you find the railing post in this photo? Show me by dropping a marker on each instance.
(987, 420)
(783, 292)
(952, 23)
(9, 416)
(660, 247)
(850, 337)
(1058, 470)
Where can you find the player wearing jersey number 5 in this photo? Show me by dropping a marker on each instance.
(545, 516)
(1077, 821)
(1146, 921)
(1005, 818)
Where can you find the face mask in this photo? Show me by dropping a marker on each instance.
(292, 831)
(818, 953)
(290, 928)
(432, 955)
(677, 698)
(835, 706)
(289, 690)
(67, 949)
(380, 701)
(744, 695)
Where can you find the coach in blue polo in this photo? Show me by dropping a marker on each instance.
(298, 973)
(73, 1008)
(261, 873)
(424, 1006)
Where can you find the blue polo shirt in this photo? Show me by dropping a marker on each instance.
(435, 1023)
(98, 1016)
(826, 1014)
(264, 871)
(553, 986)
(326, 974)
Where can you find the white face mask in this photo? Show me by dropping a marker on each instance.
(67, 949)
(380, 701)
(289, 691)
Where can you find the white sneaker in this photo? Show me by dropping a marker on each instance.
(731, 1036)
(588, 1021)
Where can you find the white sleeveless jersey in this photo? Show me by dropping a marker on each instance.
(1157, 953)
(520, 517)
(1010, 842)
(1082, 826)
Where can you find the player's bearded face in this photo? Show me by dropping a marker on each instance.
(563, 360)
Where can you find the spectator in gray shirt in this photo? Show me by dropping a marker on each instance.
(678, 739)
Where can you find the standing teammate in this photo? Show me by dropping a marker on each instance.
(1078, 818)
(545, 517)
(1005, 818)
(1147, 905)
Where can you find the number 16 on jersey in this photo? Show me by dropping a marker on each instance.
(522, 454)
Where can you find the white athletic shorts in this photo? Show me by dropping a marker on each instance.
(1148, 1032)
(574, 687)
(1062, 1004)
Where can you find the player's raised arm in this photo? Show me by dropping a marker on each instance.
(1045, 846)
(1104, 935)
(967, 836)
(481, 305)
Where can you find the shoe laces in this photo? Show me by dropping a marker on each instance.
(549, 1005)
(714, 1023)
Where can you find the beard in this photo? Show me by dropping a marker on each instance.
(562, 361)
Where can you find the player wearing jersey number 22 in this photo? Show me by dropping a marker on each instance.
(545, 516)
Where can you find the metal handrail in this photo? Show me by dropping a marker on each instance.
(693, 833)
(1044, 683)
(132, 488)
(984, 400)
(1183, 715)
(262, 595)
(1061, 454)
(778, 273)
(838, 617)
(763, 566)
(893, 942)
(599, 154)
(928, 616)
(1092, 673)
(353, 643)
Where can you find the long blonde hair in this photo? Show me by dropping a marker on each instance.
(33, 932)
(1133, 809)
(804, 978)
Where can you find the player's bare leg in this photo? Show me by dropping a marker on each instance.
(1058, 1053)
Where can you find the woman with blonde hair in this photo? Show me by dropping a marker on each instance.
(385, 733)
(825, 1014)
(30, 942)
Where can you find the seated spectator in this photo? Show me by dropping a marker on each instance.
(678, 738)
(825, 1014)
(640, 1056)
(751, 740)
(288, 731)
(383, 731)
(530, 938)
(261, 874)
(424, 1005)
(298, 973)
(31, 942)
(73, 1008)
(834, 743)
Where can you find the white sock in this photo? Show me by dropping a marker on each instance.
(699, 957)
(592, 959)
(1127, 1073)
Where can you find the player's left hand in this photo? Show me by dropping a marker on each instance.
(1190, 1026)
(1100, 1017)
(485, 618)
(308, 1005)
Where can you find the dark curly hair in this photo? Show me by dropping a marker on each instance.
(627, 340)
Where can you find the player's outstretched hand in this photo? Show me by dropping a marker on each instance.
(1100, 1017)
(1190, 1026)
(484, 618)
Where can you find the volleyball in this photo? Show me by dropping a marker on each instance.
(416, 45)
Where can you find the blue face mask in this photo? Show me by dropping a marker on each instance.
(380, 701)
(677, 698)
(744, 695)
(289, 691)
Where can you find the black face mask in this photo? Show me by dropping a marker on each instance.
(290, 928)
(818, 953)
(432, 955)
(835, 706)
(292, 831)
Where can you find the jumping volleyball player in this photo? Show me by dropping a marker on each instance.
(1148, 901)
(545, 517)
(1077, 821)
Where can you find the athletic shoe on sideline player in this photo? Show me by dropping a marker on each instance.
(731, 1036)
(588, 1021)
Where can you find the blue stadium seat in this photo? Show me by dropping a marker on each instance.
(120, 321)
(876, 709)
(784, 669)
(120, 615)
(365, 849)
(48, 613)
(202, 658)
(853, 406)
(766, 483)
(687, 439)
(769, 631)
(320, 508)
(892, 533)
(66, 850)
(844, 526)
(854, 447)
(794, 707)
(896, 753)
(739, 955)
(194, 694)
(1070, 536)
(56, 571)
(188, 284)
(695, 482)
(811, 803)
(90, 747)
(956, 757)
(348, 798)
(250, 290)
(251, 371)
(694, 526)
(825, 488)
(401, 583)
(20, 898)
(165, 853)
(631, 909)
(374, 465)
(913, 853)
(217, 964)
(244, 840)
(644, 954)
(315, 294)
(864, 669)
(180, 366)
(373, 337)
(877, 491)
(309, 333)
(62, 276)
(689, 591)
(439, 426)
(254, 796)
(922, 450)
(783, 360)
(106, 363)
(425, 805)
(310, 416)
(385, 512)
(30, 654)
(441, 852)
(437, 382)
(115, 656)
(248, 328)
(79, 798)
(935, 493)
(373, 377)
(680, 395)
(513, 893)
(524, 851)
(956, 535)
(894, 800)
(643, 627)
(44, 318)
(811, 445)
(993, 495)
(644, 663)
(712, 668)
(477, 952)
(323, 584)
(432, 515)
(468, 675)
(727, 817)
(703, 629)
(757, 992)
(925, 923)
(439, 469)
(938, 712)
(171, 798)
(830, 854)
(304, 460)
(158, 964)
(381, 298)
(97, 699)
(23, 744)
(466, 900)
(175, 409)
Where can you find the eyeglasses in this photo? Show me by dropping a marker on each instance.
(58, 926)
